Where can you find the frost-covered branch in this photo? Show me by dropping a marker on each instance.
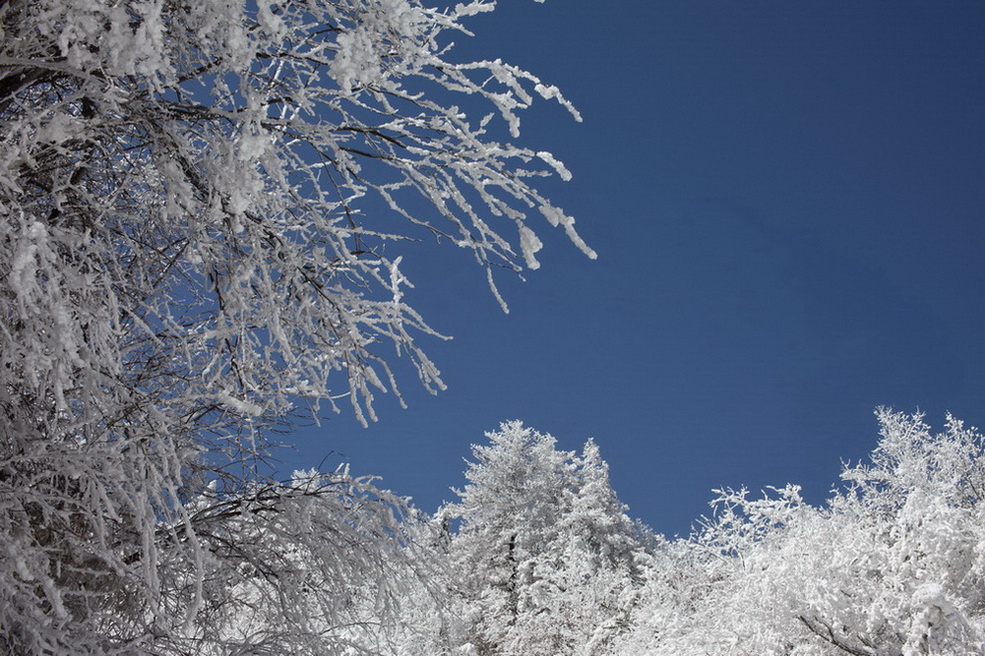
(204, 208)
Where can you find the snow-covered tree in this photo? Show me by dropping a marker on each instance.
(203, 211)
(315, 566)
(906, 540)
(590, 572)
(892, 565)
(547, 560)
(509, 512)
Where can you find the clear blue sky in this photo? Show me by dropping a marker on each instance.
(787, 199)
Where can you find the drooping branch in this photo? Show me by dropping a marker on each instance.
(823, 630)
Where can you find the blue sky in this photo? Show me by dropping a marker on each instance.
(787, 199)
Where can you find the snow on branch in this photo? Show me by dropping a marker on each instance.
(203, 211)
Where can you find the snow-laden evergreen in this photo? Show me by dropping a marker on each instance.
(545, 556)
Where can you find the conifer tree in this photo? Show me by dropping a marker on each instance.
(547, 559)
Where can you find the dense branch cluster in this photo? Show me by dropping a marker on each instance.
(203, 211)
